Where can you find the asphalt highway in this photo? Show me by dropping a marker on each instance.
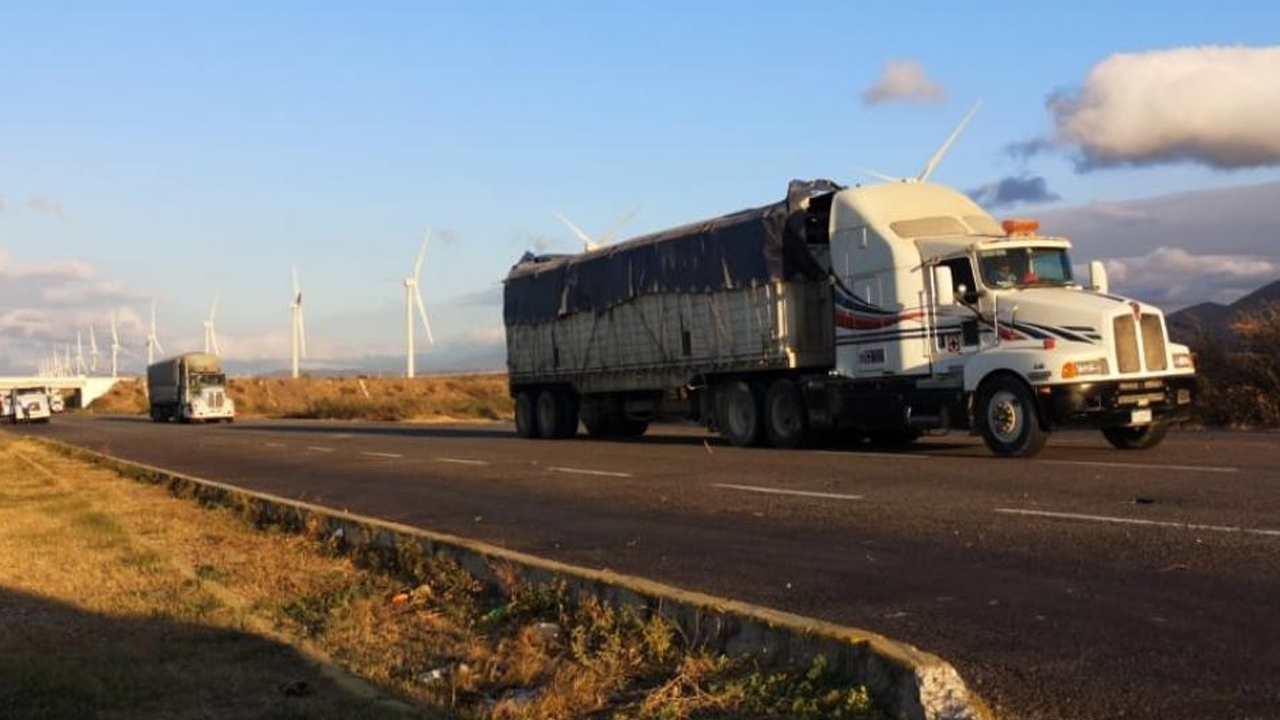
(1086, 583)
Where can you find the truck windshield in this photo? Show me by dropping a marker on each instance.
(204, 380)
(1025, 267)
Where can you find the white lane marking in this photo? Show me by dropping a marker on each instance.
(462, 461)
(1139, 521)
(582, 471)
(1145, 466)
(341, 436)
(319, 448)
(780, 491)
(381, 454)
(859, 453)
(275, 445)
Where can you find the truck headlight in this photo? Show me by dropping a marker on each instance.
(1080, 368)
(1183, 361)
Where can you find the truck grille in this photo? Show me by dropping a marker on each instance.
(1153, 342)
(1126, 338)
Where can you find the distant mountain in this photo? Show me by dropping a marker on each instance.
(1214, 319)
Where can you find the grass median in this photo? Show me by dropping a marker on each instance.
(119, 600)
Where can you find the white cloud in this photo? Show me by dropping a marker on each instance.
(1218, 106)
(1175, 276)
(59, 270)
(903, 80)
(46, 205)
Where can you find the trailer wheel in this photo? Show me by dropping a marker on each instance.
(1143, 437)
(785, 418)
(527, 414)
(557, 412)
(738, 413)
(1008, 420)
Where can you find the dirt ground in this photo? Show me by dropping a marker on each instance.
(441, 398)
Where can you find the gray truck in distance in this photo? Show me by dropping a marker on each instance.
(189, 388)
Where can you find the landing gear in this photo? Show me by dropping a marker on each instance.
(1006, 415)
(1138, 437)
(605, 417)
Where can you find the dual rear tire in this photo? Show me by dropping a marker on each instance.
(747, 415)
(550, 414)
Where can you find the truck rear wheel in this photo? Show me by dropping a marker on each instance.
(557, 412)
(527, 414)
(738, 413)
(1139, 437)
(785, 418)
(1007, 417)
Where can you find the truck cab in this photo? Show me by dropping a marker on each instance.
(189, 388)
(985, 325)
(29, 405)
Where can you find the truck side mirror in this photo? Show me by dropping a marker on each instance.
(967, 296)
(944, 291)
(1098, 277)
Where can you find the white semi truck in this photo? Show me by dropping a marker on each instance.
(189, 388)
(25, 405)
(884, 311)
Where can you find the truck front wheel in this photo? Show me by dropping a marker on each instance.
(738, 413)
(527, 414)
(1007, 417)
(1139, 437)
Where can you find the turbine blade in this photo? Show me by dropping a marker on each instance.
(607, 237)
(422, 252)
(422, 310)
(583, 236)
(296, 289)
(878, 175)
(946, 146)
(213, 310)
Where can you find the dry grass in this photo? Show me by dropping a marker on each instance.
(471, 397)
(118, 600)
(1240, 386)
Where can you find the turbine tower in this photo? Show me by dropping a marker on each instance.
(298, 339)
(80, 364)
(153, 342)
(210, 336)
(115, 347)
(93, 351)
(412, 299)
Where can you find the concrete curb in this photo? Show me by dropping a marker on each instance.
(908, 683)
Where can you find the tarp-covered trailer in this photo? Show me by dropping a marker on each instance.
(621, 334)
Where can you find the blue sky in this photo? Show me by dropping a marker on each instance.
(195, 149)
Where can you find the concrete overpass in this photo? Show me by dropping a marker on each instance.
(85, 389)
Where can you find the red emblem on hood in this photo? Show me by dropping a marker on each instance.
(1137, 309)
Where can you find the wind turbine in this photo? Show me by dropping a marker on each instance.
(93, 351)
(940, 153)
(412, 299)
(115, 346)
(80, 365)
(153, 342)
(589, 243)
(210, 336)
(298, 339)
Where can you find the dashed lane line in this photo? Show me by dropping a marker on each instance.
(320, 448)
(273, 445)
(461, 461)
(859, 453)
(782, 491)
(584, 471)
(1144, 466)
(1138, 521)
(393, 456)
